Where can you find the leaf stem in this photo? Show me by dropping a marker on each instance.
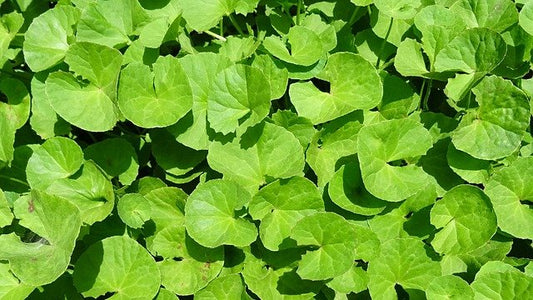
(354, 14)
(235, 24)
(426, 95)
(382, 46)
(298, 8)
(221, 27)
(15, 180)
(219, 37)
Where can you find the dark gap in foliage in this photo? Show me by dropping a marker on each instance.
(3, 97)
(170, 48)
(528, 75)
(189, 297)
(52, 4)
(521, 249)
(177, 258)
(322, 85)
(106, 296)
(402, 294)
(398, 163)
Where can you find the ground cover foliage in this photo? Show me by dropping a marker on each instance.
(266, 149)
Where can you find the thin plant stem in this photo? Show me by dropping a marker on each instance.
(236, 25)
(426, 96)
(422, 91)
(382, 47)
(221, 27)
(15, 180)
(218, 37)
(354, 14)
(298, 8)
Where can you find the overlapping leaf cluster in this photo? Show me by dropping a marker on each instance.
(266, 149)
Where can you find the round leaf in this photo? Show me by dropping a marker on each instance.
(125, 269)
(213, 218)
(449, 287)
(134, 210)
(466, 219)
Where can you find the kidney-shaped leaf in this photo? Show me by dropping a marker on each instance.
(487, 133)
(497, 280)
(48, 37)
(214, 215)
(467, 220)
(125, 269)
(280, 205)
(334, 240)
(382, 148)
(511, 190)
(355, 84)
(56, 223)
(239, 97)
(305, 46)
(157, 98)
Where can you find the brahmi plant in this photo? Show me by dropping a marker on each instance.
(266, 149)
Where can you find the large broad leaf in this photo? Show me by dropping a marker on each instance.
(201, 70)
(56, 158)
(204, 14)
(511, 192)
(280, 205)
(133, 209)
(355, 84)
(55, 223)
(187, 266)
(383, 148)
(89, 190)
(111, 23)
(90, 106)
(401, 9)
(11, 24)
(214, 215)
(125, 269)
(487, 133)
(497, 280)
(402, 261)
(266, 151)
(526, 17)
(225, 287)
(7, 139)
(474, 50)
(305, 46)
(275, 72)
(466, 219)
(239, 98)
(157, 98)
(497, 15)
(17, 107)
(48, 37)
(334, 241)
(6, 217)
(449, 287)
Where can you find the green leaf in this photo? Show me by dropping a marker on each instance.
(7, 139)
(402, 9)
(354, 280)
(89, 190)
(346, 189)
(188, 266)
(399, 98)
(275, 72)
(306, 48)
(10, 285)
(301, 127)
(111, 24)
(213, 215)
(134, 210)
(280, 205)
(526, 17)
(201, 69)
(17, 107)
(402, 261)
(157, 98)
(225, 287)
(334, 242)
(355, 84)
(56, 224)
(466, 219)
(44, 120)
(116, 157)
(48, 37)
(510, 191)
(265, 151)
(239, 98)
(474, 50)
(56, 158)
(6, 217)
(502, 282)
(496, 15)
(380, 145)
(204, 14)
(470, 169)
(486, 133)
(449, 287)
(126, 269)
